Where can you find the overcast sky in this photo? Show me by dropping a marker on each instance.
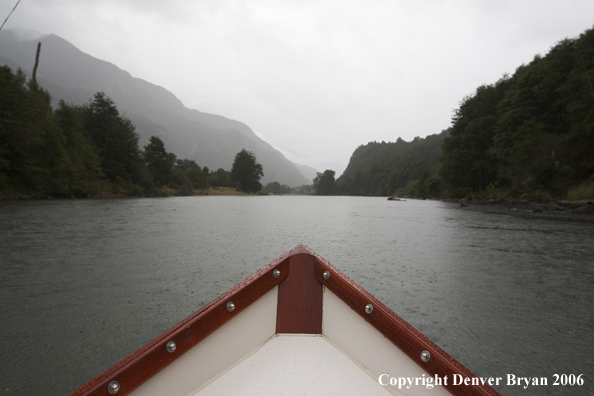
(315, 79)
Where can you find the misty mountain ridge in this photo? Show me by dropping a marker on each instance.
(209, 139)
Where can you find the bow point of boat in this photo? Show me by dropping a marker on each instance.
(297, 326)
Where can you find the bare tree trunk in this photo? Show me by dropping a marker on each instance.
(36, 61)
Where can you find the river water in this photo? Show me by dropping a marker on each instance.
(83, 283)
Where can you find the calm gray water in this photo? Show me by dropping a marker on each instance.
(83, 283)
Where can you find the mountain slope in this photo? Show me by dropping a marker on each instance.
(211, 140)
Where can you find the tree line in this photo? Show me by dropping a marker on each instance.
(527, 135)
(382, 168)
(93, 150)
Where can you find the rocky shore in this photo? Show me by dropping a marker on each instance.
(578, 206)
(581, 206)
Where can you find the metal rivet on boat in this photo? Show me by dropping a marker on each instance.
(425, 356)
(369, 308)
(230, 306)
(113, 387)
(276, 273)
(171, 346)
(327, 275)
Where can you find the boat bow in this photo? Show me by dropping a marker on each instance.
(299, 302)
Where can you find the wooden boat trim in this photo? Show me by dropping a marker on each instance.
(147, 361)
(299, 310)
(398, 331)
(299, 307)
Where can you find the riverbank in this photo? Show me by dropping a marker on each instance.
(158, 193)
(220, 191)
(569, 206)
(120, 272)
(577, 206)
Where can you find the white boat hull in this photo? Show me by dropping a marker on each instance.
(298, 326)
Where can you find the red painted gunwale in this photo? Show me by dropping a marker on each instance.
(300, 266)
(147, 361)
(408, 339)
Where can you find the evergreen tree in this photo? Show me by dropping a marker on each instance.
(273, 187)
(84, 161)
(71, 150)
(532, 133)
(51, 160)
(115, 138)
(158, 161)
(196, 177)
(247, 172)
(323, 184)
(20, 138)
(32, 155)
(468, 163)
(220, 178)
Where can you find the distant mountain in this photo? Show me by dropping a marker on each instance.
(211, 140)
(307, 171)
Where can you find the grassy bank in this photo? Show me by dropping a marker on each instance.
(219, 191)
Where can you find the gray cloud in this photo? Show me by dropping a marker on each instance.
(316, 79)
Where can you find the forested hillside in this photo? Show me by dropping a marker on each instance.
(382, 168)
(87, 150)
(531, 133)
(527, 135)
(213, 140)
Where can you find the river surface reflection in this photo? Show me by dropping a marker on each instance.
(83, 283)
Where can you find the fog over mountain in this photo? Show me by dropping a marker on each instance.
(209, 139)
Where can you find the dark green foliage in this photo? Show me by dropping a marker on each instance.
(306, 189)
(158, 161)
(115, 138)
(324, 183)
(382, 168)
(85, 163)
(277, 188)
(220, 178)
(34, 149)
(428, 186)
(195, 176)
(246, 172)
(166, 170)
(533, 132)
(468, 162)
(79, 150)
(20, 136)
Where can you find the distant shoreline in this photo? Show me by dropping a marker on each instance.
(567, 206)
(107, 195)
